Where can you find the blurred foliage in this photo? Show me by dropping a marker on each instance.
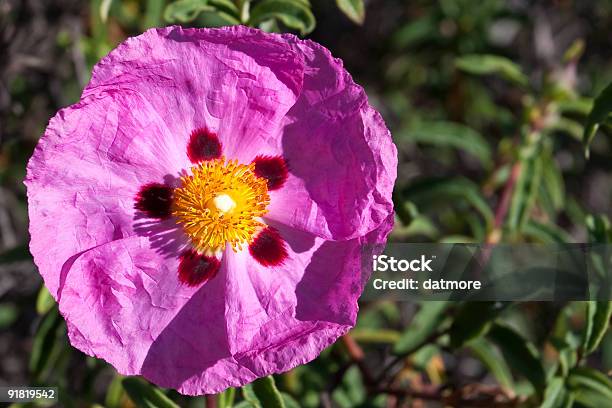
(491, 103)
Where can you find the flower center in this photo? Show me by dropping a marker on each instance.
(221, 203)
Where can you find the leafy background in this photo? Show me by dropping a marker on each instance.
(493, 105)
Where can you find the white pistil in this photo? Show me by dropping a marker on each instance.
(224, 203)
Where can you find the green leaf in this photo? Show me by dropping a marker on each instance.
(450, 134)
(447, 190)
(145, 395)
(381, 336)
(185, 11)
(590, 380)
(586, 398)
(105, 6)
(545, 233)
(492, 64)
(263, 393)
(351, 392)
(554, 394)
(289, 401)
(602, 106)
(484, 351)
(226, 398)
(294, 14)
(525, 192)
(520, 354)
(599, 228)
(44, 341)
(598, 320)
(424, 323)
(353, 9)
(153, 14)
(114, 393)
(44, 300)
(227, 6)
(473, 320)
(8, 315)
(552, 186)
(567, 126)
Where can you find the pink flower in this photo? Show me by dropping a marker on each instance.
(201, 213)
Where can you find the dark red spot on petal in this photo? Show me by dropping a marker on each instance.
(155, 200)
(195, 268)
(268, 248)
(273, 168)
(203, 145)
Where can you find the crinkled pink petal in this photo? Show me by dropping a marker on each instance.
(342, 159)
(85, 173)
(238, 82)
(272, 319)
(272, 95)
(120, 296)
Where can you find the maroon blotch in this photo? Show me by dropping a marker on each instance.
(273, 168)
(195, 268)
(155, 200)
(268, 248)
(203, 145)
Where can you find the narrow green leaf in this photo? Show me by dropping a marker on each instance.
(567, 126)
(105, 6)
(9, 313)
(447, 190)
(44, 341)
(552, 184)
(293, 14)
(585, 378)
(154, 10)
(602, 106)
(473, 320)
(185, 11)
(44, 300)
(486, 353)
(424, 323)
(586, 398)
(226, 6)
(554, 394)
(226, 398)
(492, 64)
(382, 336)
(263, 393)
(520, 354)
(525, 192)
(449, 134)
(545, 233)
(289, 401)
(353, 9)
(599, 229)
(114, 393)
(145, 395)
(598, 320)
(246, 404)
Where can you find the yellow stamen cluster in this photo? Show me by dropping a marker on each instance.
(220, 203)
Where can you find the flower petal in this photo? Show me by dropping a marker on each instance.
(237, 82)
(274, 318)
(342, 159)
(85, 174)
(117, 298)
